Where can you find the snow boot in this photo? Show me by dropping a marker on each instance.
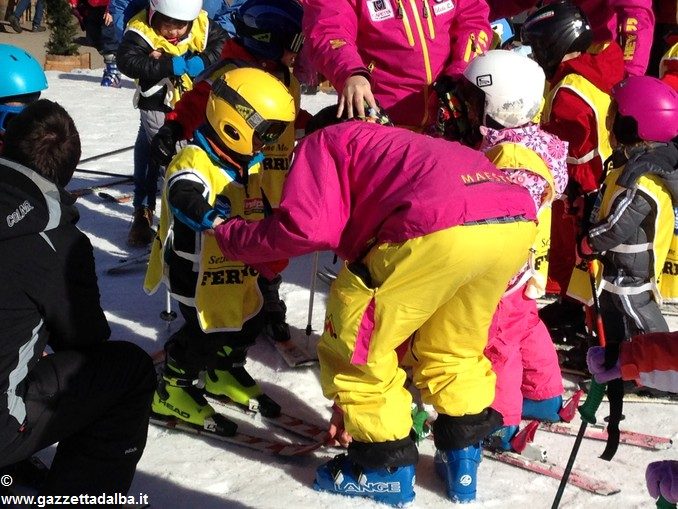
(274, 310)
(459, 469)
(545, 410)
(178, 395)
(233, 382)
(111, 77)
(393, 486)
(140, 233)
(500, 440)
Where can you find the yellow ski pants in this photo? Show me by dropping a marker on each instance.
(444, 286)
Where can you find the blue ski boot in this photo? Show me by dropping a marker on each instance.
(112, 76)
(392, 486)
(500, 440)
(459, 469)
(545, 410)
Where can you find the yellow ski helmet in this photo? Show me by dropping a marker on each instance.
(246, 103)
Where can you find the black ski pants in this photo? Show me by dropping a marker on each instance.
(95, 402)
(194, 350)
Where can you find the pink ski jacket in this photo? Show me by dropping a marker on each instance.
(357, 184)
(630, 23)
(401, 46)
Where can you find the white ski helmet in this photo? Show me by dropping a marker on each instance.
(513, 85)
(183, 10)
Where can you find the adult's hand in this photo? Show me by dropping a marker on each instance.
(338, 435)
(357, 91)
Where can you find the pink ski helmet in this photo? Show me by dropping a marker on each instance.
(651, 103)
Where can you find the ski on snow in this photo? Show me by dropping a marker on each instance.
(576, 478)
(97, 189)
(293, 355)
(270, 446)
(284, 421)
(129, 263)
(643, 440)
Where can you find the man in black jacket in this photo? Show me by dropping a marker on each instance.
(91, 395)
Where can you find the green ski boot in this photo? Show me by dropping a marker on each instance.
(179, 396)
(235, 383)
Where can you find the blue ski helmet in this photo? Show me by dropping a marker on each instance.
(504, 31)
(269, 27)
(21, 80)
(21, 73)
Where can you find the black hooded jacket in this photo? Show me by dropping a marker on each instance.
(49, 293)
(632, 215)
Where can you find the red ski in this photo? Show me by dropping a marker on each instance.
(596, 433)
(576, 478)
(299, 427)
(275, 447)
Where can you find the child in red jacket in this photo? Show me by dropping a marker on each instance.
(580, 76)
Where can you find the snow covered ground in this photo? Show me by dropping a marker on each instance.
(181, 471)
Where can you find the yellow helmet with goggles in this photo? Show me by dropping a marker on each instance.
(248, 104)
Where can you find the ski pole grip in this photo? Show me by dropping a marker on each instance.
(593, 399)
(662, 503)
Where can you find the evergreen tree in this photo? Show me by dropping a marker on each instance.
(60, 21)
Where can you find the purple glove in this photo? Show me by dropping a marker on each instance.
(595, 360)
(661, 478)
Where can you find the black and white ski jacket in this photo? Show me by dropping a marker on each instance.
(49, 293)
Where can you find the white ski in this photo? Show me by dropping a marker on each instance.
(129, 263)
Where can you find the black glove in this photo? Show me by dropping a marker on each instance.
(452, 118)
(163, 144)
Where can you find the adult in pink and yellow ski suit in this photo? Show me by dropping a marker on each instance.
(400, 46)
(431, 232)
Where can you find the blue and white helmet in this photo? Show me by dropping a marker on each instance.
(504, 30)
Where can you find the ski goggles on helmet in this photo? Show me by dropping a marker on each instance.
(294, 42)
(7, 113)
(291, 41)
(267, 131)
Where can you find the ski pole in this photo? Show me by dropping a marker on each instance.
(103, 173)
(593, 399)
(106, 154)
(314, 271)
(662, 503)
(168, 314)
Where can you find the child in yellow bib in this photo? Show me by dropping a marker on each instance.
(216, 177)
(633, 220)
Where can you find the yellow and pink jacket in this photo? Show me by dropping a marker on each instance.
(343, 194)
